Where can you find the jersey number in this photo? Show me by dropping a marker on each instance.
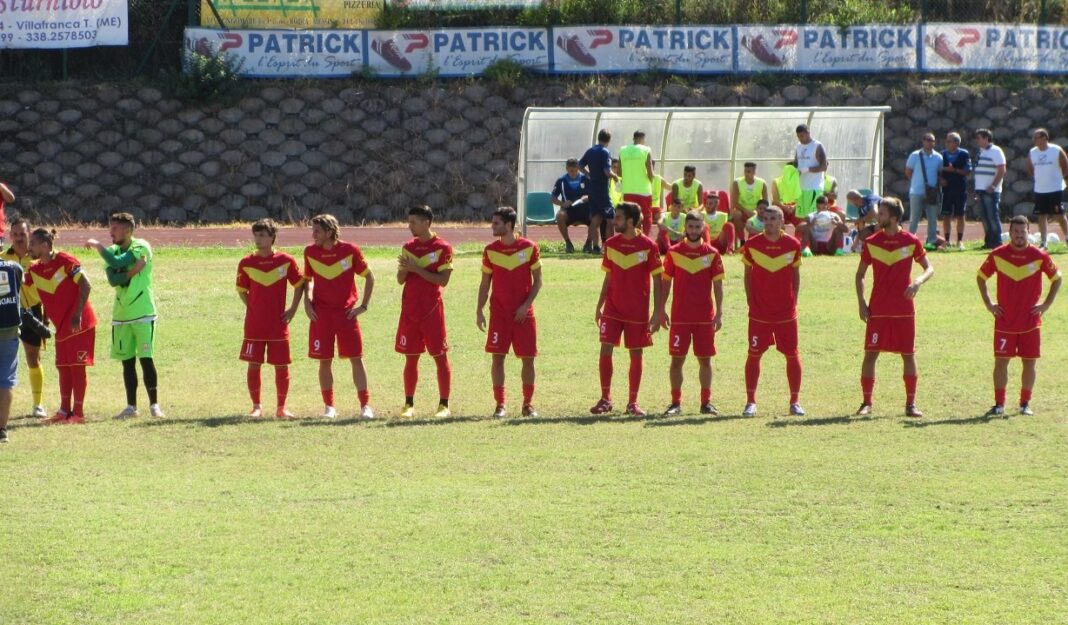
(403, 341)
(874, 338)
(248, 348)
(315, 345)
(675, 343)
(1002, 343)
(494, 339)
(754, 341)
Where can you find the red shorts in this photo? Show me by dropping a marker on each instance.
(782, 334)
(789, 215)
(891, 334)
(1026, 345)
(276, 351)
(703, 336)
(76, 350)
(333, 325)
(521, 336)
(427, 334)
(644, 202)
(823, 248)
(635, 334)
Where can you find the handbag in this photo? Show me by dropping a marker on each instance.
(931, 195)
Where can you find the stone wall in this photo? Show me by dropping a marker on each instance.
(367, 150)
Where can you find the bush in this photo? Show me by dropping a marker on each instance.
(505, 72)
(208, 77)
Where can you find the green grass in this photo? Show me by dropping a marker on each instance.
(208, 518)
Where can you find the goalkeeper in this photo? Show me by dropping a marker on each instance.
(129, 270)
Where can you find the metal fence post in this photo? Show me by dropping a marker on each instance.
(1042, 14)
(191, 13)
(678, 12)
(804, 11)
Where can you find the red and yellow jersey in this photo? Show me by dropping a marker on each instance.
(420, 296)
(56, 282)
(264, 280)
(692, 269)
(29, 294)
(1019, 284)
(891, 258)
(772, 298)
(333, 272)
(630, 263)
(511, 268)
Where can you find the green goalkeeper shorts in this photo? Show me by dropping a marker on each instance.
(133, 340)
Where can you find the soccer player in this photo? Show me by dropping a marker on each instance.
(689, 189)
(631, 260)
(755, 224)
(636, 169)
(772, 282)
(261, 284)
(64, 290)
(696, 268)
(133, 320)
(331, 266)
(718, 230)
(511, 267)
(19, 253)
(745, 193)
(890, 315)
(825, 231)
(424, 268)
(1018, 313)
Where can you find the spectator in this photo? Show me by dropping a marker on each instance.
(825, 231)
(597, 164)
(958, 164)
(571, 194)
(689, 189)
(745, 193)
(719, 232)
(923, 169)
(867, 215)
(1048, 165)
(989, 174)
(755, 224)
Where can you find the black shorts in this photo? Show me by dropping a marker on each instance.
(954, 204)
(1049, 203)
(578, 213)
(27, 335)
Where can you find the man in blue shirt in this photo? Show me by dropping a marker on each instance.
(955, 186)
(924, 170)
(867, 217)
(571, 194)
(597, 164)
(10, 318)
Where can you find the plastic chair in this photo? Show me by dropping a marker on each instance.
(540, 209)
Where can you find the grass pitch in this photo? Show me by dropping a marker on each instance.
(207, 517)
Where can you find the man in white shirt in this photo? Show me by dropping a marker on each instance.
(1048, 166)
(989, 173)
(812, 163)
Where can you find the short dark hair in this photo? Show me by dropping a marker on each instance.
(631, 211)
(616, 160)
(749, 164)
(266, 225)
(892, 204)
(1041, 131)
(45, 236)
(985, 133)
(327, 222)
(571, 162)
(19, 222)
(1020, 220)
(638, 134)
(801, 128)
(822, 199)
(125, 219)
(762, 201)
(604, 136)
(507, 215)
(423, 211)
(689, 169)
(694, 216)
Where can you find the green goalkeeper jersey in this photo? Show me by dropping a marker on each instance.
(135, 301)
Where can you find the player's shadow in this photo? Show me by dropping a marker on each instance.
(582, 419)
(205, 422)
(840, 420)
(319, 423)
(977, 420)
(407, 423)
(668, 421)
(29, 423)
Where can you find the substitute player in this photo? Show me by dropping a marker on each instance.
(636, 169)
(424, 268)
(772, 280)
(630, 261)
(1017, 314)
(64, 289)
(261, 284)
(331, 266)
(745, 193)
(890, 315)
(689, 189)
(696, 268)
(133, 319)
(32, 342)
(718, 230)
(511, 267)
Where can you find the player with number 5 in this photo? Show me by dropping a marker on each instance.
(890, 315)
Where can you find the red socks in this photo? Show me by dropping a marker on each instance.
(364, 397)
(328, 397)
(1025, 395)
(528, 394)
(66, 387)
(498, 395)
(793, 376)
(910, 389)
(79, 384)
(706, 394)
(999, 396)
(444, 376)
(252, 377)
(676, 395)
(605, 367)
(752, 377)
(634, 376)
(411, 374)
(867, 385)
(281, 384)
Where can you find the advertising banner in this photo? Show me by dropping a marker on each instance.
(68, 24)
(827, 49)
(613, 49)
(995, 48)
(455, 52)
(464, 5)
(284, 53)
(291, 13)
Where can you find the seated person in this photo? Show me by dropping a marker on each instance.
(786, 191)
(755, 224)
(830, 191)
(719, 231)
(825, 231)
(745, 193)
(867, 221)
(689, 189)
(570, 194)
(672, 226)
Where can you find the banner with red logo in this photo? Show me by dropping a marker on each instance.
(284, 53)
(613, 49)
(827, 49)
(455, 51)
(994, 48)
(67, 24)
